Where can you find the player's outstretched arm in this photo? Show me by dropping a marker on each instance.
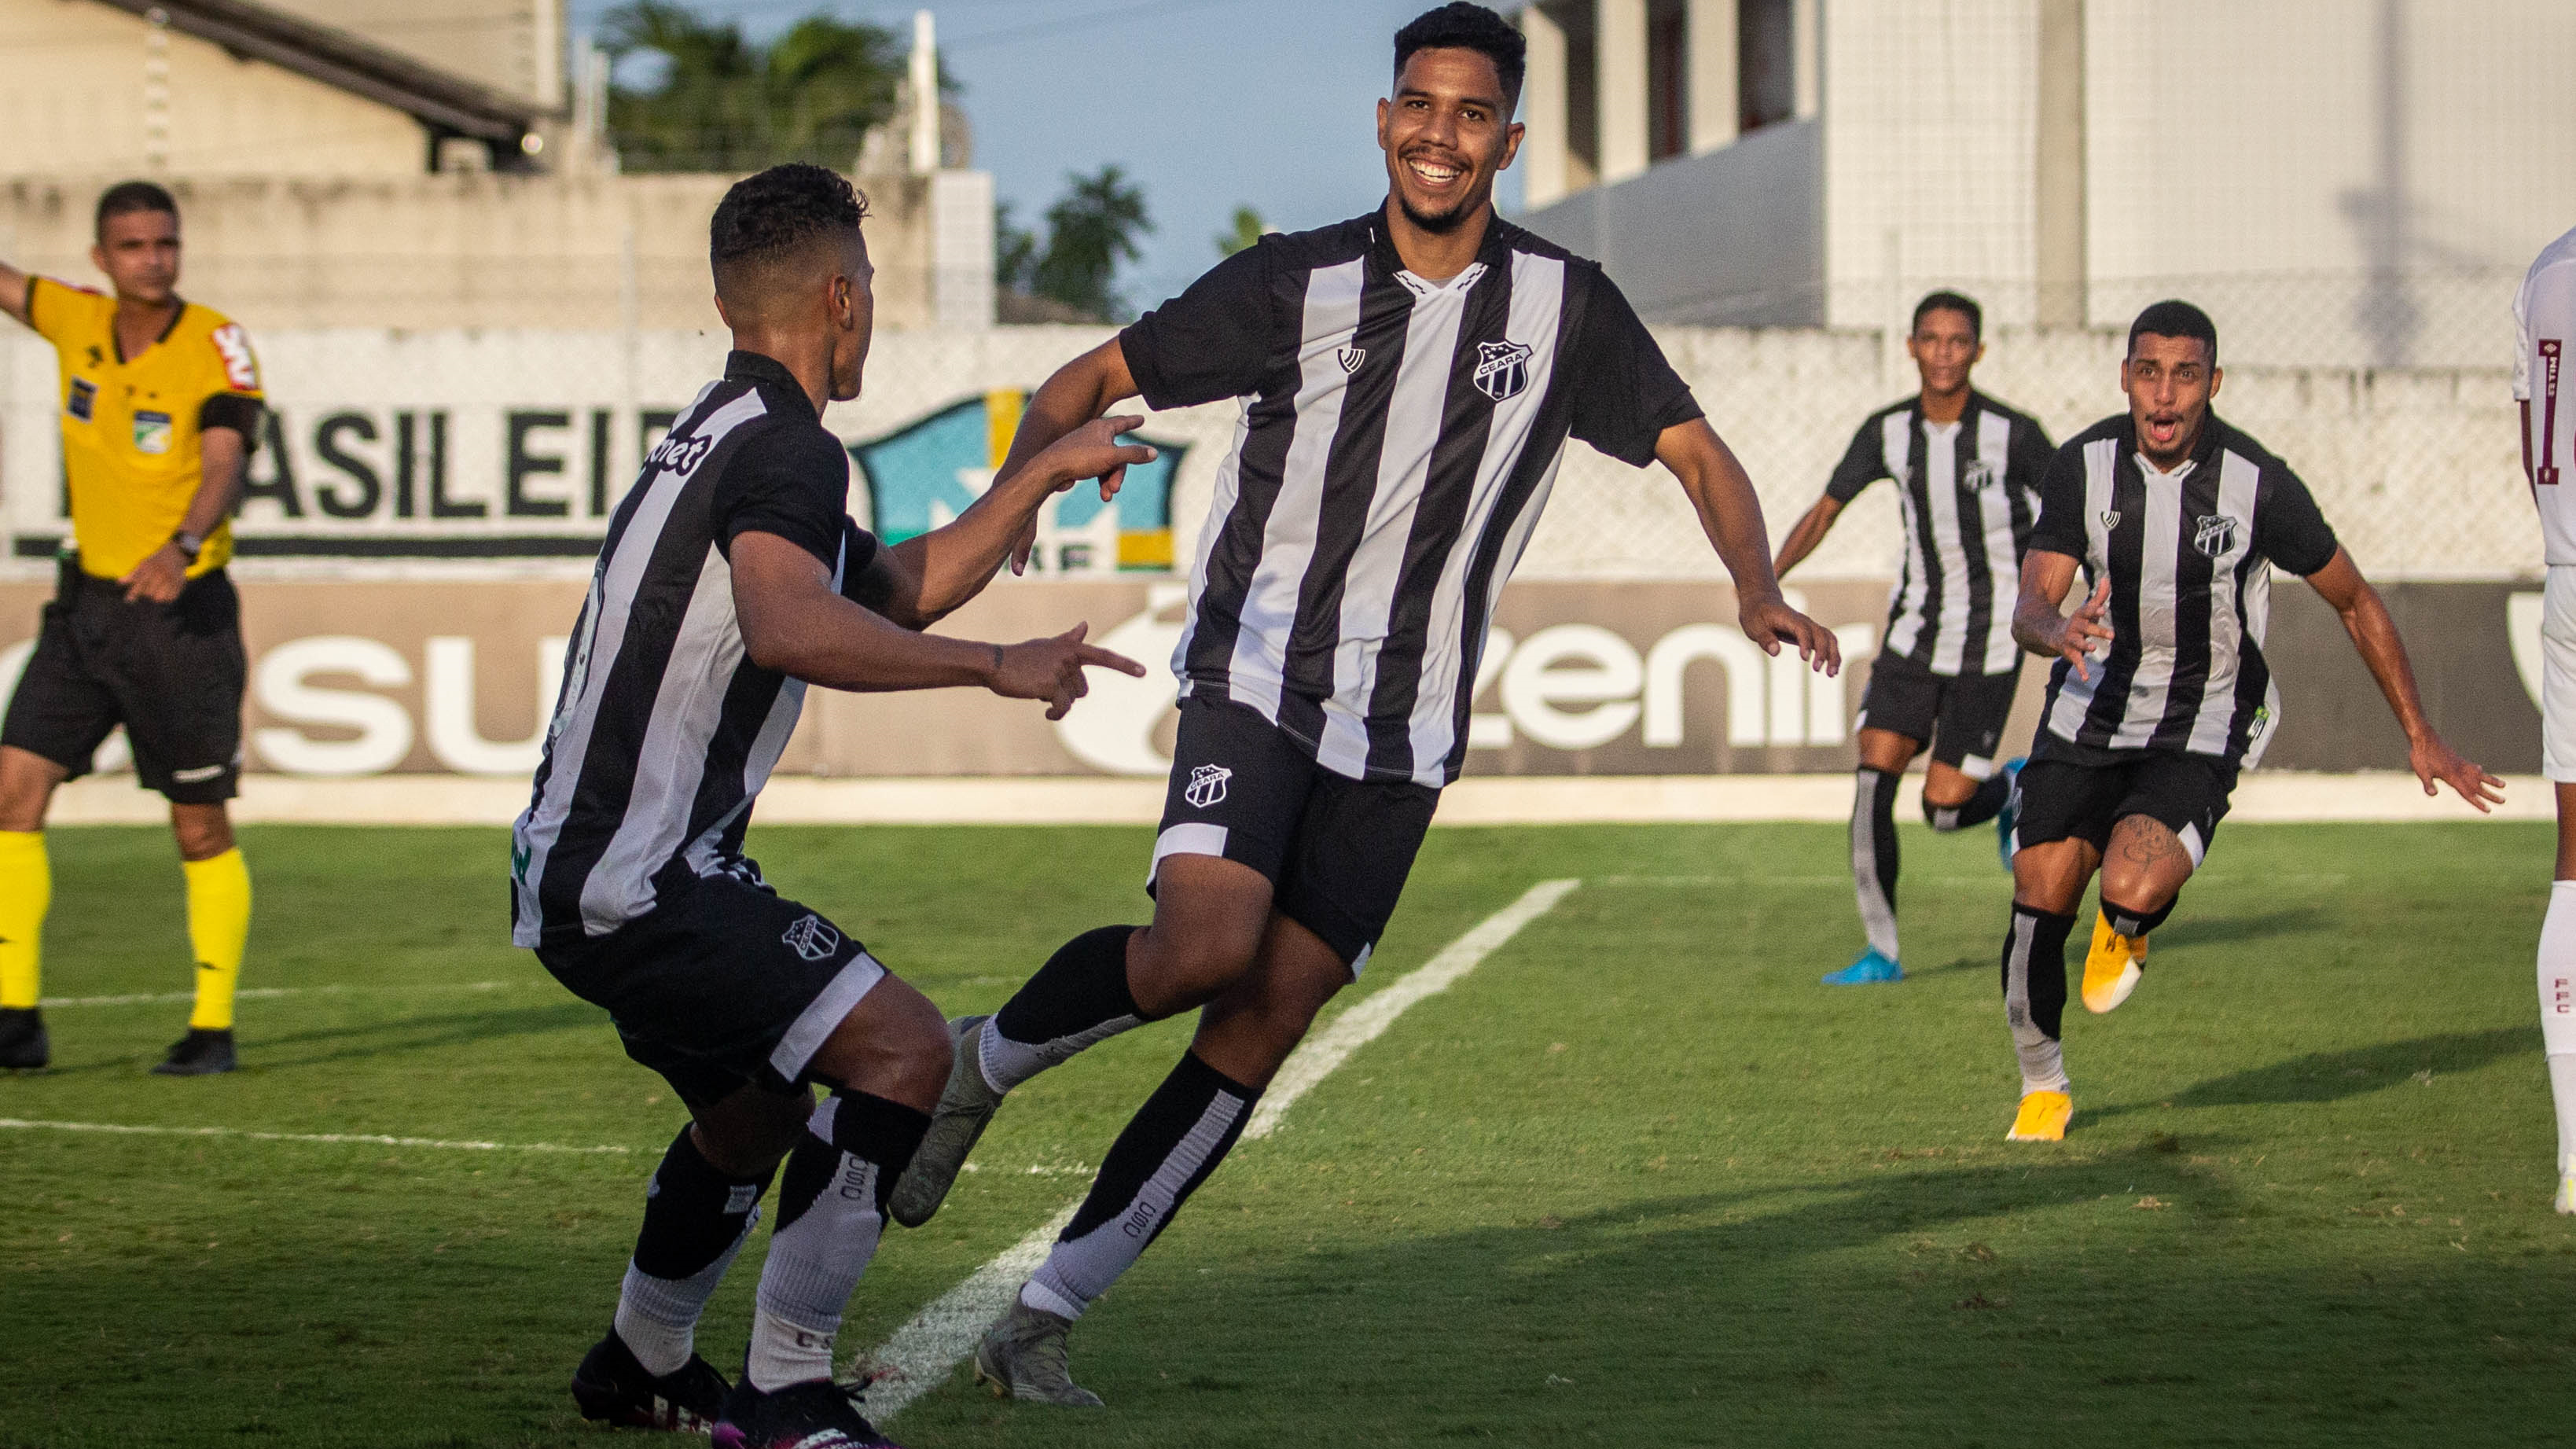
(14, 286)
(1079, 391)
(1731, 515)
(1806, 533)
(795, 622)
(2374, 635)
(2040, 621)
(926, 578)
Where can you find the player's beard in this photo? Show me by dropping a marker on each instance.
(1442, 223)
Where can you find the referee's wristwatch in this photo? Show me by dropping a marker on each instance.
(188, 544)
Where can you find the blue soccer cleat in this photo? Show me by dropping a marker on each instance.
(1869, 970)
(2010, 815)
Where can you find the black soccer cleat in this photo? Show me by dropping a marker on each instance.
(199, 1053)
(816, 1414)
(23, 1046)
(613, 1389)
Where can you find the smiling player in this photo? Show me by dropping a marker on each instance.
(1408, 380)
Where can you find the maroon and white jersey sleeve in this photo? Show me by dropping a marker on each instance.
(2544, 315)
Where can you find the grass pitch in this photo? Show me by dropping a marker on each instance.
(1638, 1180)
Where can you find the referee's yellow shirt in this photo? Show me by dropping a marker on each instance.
(131, 426)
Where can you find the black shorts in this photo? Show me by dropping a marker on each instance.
(2064, 799)
(1961, 715)
(1335, 850)
(170, 673)
(724, 984)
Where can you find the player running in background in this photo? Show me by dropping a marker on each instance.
(2160, 693)
(1967, 473)
(2545, 314)
(730, 579)
(160, 407)
(1408, 380)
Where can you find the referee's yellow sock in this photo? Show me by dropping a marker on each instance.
(218, 930)
(26, 889)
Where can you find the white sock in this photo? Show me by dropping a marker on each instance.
(2558, 1011)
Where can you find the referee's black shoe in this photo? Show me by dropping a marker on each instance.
(199, 1053)
(612, 1388)
(23, 1047)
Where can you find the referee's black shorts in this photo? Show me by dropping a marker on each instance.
(170, 673)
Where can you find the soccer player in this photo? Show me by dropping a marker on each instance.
(1408, 379)
(1967, 473)
(2160, 693)
(731, 578)
(160, 406)
(2545, 315)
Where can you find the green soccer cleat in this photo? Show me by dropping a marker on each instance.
(1023, 1357)
(966, 1106)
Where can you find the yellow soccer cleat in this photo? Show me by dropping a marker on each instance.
(2113, 967)
(2042, 1117)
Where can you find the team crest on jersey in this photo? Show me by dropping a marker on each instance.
(152, 433)
(1502, 369)
(1207, 786)
(1977, 476)
(2215, 535)
(2110, 519)
(813, 938)
(1351, 357)
(233, 346)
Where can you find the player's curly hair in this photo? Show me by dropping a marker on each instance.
(778, 210)
(1468, 27)
(2176, 318)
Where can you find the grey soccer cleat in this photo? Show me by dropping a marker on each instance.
(966, 1105)
(1023, 1357)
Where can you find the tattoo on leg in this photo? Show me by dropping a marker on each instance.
(2146, 843)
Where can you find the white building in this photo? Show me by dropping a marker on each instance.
(2339, 181)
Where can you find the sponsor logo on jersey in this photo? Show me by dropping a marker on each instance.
(813, 938)
(232, 344)
(2215, 535)
(83, 403)
(1351, 357)
(1207, 785)
(680, 456)
(1502, 369)
(153, 433)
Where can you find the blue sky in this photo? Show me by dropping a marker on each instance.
(1211, 104)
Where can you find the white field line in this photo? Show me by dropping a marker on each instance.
(363, 1139)
(921, 1353)
(272, 993)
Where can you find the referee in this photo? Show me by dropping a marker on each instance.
(160, 410)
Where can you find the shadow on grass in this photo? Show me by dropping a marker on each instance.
(1914, 1307)
(2334, 1076)
(2225, 930)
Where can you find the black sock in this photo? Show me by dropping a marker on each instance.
(1169, 1147)
(1873, 856)
(2034, 977)
(1977, 809)
(696, 1217)
(2134, 923)
(1079, 998)
(831, 1213)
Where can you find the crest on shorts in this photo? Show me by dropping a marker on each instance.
(2215, 535)
(1502, 369)
(1207, 785)
(813, 938)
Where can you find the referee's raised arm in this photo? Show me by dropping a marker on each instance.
(13, 292)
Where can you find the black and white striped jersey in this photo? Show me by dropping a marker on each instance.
(2189, 555)
(1397, 441)
(1969, 492)
(665, 732)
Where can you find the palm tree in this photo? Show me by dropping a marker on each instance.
(724, 103)
(1090, 230)
(1248, 229)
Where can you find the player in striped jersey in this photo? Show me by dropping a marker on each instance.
(731, 578)
(1408, 380)
(2544, 314)
(2160, 693)
(1967, 473)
